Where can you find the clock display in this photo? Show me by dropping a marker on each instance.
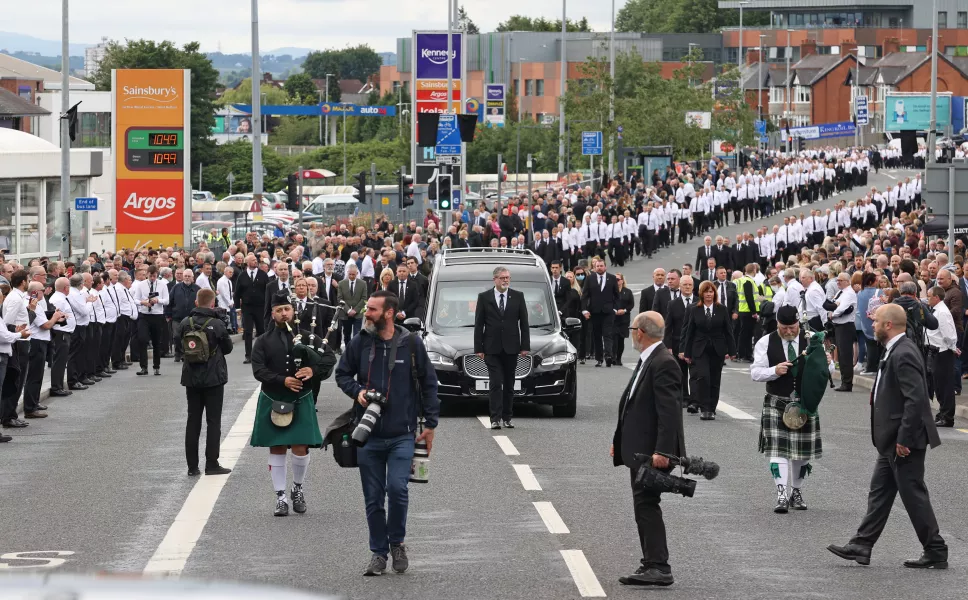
(162, 139)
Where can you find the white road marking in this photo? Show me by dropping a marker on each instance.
(551, 518)
(527, 478)
(582, 573)
(891, 176)
(734, 412)
(177, 546)
(485, 421)
(963, 430)
(505, 443)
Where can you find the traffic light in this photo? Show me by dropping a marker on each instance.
(406, 191)
(292, 193)
(801, 144)
(443, 191)
(359, 188)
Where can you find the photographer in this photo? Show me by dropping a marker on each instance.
(650, 422)
(383, 357)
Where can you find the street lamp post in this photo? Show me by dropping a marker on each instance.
(561, 91)
(932, 134)
(739, 58)
(328, 75)
(759, 84)
(256, 107)
(611, 95)
(789, 99)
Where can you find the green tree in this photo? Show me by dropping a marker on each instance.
(355, 62)
(465, 22)
(296, 131)
(524, 23)
(236, 158)
(148, 54)
(301, 89)
(683, 16)
(243, 94)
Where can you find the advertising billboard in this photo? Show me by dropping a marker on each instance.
(152, 157)
(430, 91)
(495, 97)
(912, 112)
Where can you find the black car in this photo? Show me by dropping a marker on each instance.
(547, 375)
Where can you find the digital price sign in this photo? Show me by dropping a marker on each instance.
(152, 149)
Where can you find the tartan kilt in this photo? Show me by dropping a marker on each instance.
(776, 439)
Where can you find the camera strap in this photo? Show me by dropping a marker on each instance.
(391, 355)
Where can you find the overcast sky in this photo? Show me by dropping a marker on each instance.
(317, 24)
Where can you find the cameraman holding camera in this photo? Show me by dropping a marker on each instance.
(383, 357)
(650, 423)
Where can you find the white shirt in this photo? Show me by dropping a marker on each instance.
(100, 314)
(15, 308)
(945, 337)
(887, 352)
(37, 332)
(140, 291)
(761, 370)
(845, 299)
(644, 356)
(82, 308)
(202, 282)
(110, 303)
(317, 265)
(814, 300)
(224, 293)
(59, 301)
(367, 270)
(414, 250)
(497, 298)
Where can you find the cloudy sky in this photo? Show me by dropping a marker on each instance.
(317, 24)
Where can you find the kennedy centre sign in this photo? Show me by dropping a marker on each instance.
(152, 157)
(429, 62)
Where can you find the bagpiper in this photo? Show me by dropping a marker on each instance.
(285, 416)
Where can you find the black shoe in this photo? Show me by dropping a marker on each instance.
(495, 425)
(692, 409)
(944, 423)
(598, 364)
(5, 438)
(121, 368)
(581, 361)
(59, 393)
(845, 388)
(157, 371)
(194, 472)
(651, 576)
(142, 372)
(796, 500)
(247, 361)
(707, 416)
(41, 407)
(216, 469)
(282, 507)
(78, 387)
(167, 355)
(16, 423)
(178, 359)
(87, 382)
(858, 554)
(398, 552)
(608, 362)
(128, 363)
(298, 499)
(927, 562)
(108, 372)
(102, 375)
(94, 378)
(507, 424)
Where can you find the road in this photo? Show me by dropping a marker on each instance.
(533, 513)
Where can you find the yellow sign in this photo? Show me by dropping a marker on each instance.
(386, 200)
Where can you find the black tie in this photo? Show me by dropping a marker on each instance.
(403, 291)
(675, 295)
(688, 301)
(709, 312)
(722, 292)
(501, 304)
(351, 287)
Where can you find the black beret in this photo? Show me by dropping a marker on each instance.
(787, 315)
(280, 299)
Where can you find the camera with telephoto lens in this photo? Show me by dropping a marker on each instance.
(652, 479)
(374, 407)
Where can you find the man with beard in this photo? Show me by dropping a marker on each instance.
(285, 416)
(384, 358)
(777, 362)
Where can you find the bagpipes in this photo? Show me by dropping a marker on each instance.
(304, 354)
(814, 376)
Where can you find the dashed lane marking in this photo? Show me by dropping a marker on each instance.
(581, 572)
(485, 421)
(527, 478)
(177, 546)
(963, 430)
(891, 176)
(505, 443)
(728, 409)
(551, 518)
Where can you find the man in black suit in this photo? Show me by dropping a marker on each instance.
(501, 335)
(280, 283)
(901, 429)
(722, 253)
(250, 297)
(650, 423)
(647, 300)
(706, 251)
(424, 284)
(408, 291)
(709, 273)
(669, 292)
(675, 322)
(559, 285)
(598, 298)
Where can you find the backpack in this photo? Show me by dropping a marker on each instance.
(195, 343)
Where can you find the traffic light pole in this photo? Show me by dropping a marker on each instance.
(497, 202)
(372, 194)
(299, 200)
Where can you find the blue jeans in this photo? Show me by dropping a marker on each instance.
(351, 328)
(861, 347)
(385, 471)
(234, 319)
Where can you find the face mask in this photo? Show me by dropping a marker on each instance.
(580, 277)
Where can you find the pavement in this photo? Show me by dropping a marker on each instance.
(533, 513)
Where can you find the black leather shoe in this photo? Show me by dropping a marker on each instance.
(217, 469)
(157, 371)
(598, 364)
(5, 438)
(108, 372)
(692, 409)
(247, 361)
(78, 387)
(167, 355)
(121, 368)
(95, 378)
(194, 472)
(59, 393)
(944, 423)
(650, 577)
(15, 423)
(87, 382)
(608, 362)
(178, 359)
(41, 407)
(858, 554)
(927, 562)
(102, 374)
(707, 416)
(142, 372)
(845, 388)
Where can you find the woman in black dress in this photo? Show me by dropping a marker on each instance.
(571, 307)
(707, 342)
(623, 318)
(584, 344)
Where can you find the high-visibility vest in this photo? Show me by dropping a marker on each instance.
(741, 294)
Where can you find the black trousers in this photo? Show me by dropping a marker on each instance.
(75, 359)
(133, 343)
(151, 327)
(60, 352)
(251, 319)
(500, 375)
(36, 364)
(602, 335)
(107, 343)
(705, 377)
(844, 337)
(944, 383)
(210, 401)
(93, 350)
(120, 343)
(684, 368)
(651, 527)
(744, 345)
(13, 381)
(618, 348)
(894, 475)
(873, 354)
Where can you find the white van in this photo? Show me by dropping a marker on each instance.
(331, 207)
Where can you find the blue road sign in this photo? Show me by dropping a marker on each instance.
(860, 106)
(759, 127)
(85, 203)
(591, 143)
(456, 198)
(448, 136)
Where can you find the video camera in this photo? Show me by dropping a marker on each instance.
(650, 478)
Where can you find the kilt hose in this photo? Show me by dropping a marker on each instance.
(778, 440)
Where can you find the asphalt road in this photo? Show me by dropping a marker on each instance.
(533, 513)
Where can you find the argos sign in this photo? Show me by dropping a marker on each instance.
(152, 206)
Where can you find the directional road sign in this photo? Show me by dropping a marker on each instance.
(591, 143)
(861, 111)
(448, 136)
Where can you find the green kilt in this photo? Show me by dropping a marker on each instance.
(776, 439)
(304, 429)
